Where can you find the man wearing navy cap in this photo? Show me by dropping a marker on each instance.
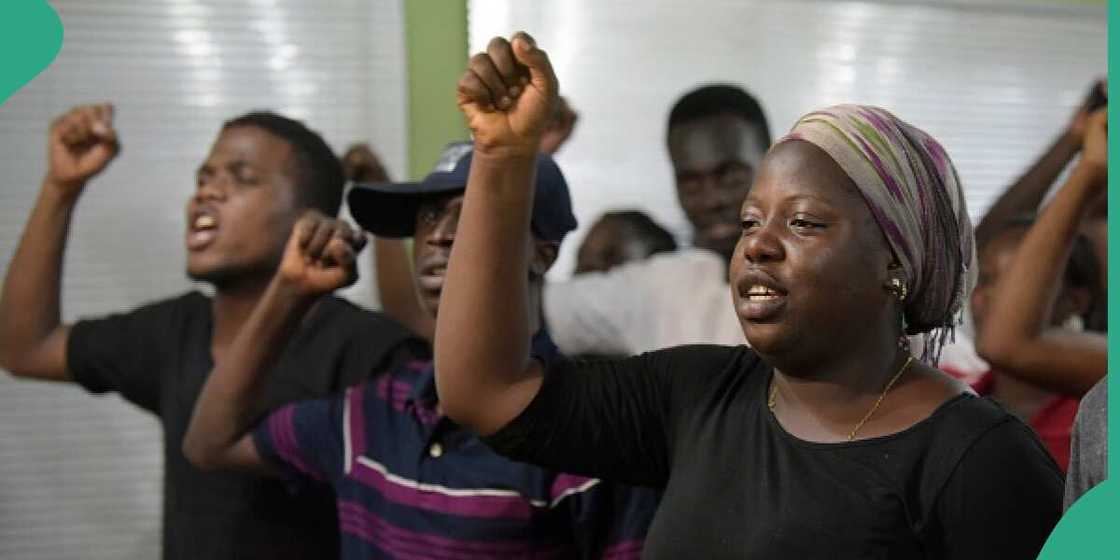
(397, 210)
(409, 482)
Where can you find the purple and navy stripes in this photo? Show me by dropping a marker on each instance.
(476, 503)
(397, 498)
(285, 444)
(359, 522)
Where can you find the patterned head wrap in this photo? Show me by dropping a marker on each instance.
(914, 193)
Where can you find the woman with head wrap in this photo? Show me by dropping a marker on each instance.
(826, 438)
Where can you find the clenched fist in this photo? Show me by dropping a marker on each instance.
(319, 257)
(1095, 151)
(508, 94)
(1097, 98)
(81, 144)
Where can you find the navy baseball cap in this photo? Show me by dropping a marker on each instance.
(389, 209)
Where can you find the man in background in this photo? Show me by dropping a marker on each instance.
(263, 172)
(717, 135)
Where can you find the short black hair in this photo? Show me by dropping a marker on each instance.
(1082, 270)
(721, 99)
(656, 238)
(318, 170)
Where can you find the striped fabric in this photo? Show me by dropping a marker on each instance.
(913, 191)
(412, 484)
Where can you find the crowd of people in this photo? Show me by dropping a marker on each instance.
(775, 388)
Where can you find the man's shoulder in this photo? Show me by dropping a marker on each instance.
(1092, 414)
(338, 313)
(362, 342)
(192, 300)
(185, 305)
(1097, 397)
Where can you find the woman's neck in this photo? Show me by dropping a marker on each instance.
(819, 397)
(835, 388)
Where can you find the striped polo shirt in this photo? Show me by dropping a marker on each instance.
(410, 483)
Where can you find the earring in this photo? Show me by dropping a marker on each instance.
(897, 287)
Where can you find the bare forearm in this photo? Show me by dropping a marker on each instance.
(395, 286)
(32, 341)
(1027, 192)
(29, 305)
(1035, 277)
(225, 407)
(482, 332)
(1016, 337)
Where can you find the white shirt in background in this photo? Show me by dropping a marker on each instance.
(667, 300)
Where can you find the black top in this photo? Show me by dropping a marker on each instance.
(158, 357)
(970, 481)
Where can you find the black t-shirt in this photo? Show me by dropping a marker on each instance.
(158, 357)
(970, 481)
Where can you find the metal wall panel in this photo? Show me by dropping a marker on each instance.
(994, 80)
(80, 476)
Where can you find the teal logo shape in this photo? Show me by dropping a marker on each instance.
(30, 38)
(1088, 529)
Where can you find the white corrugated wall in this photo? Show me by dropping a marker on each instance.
(994, 80)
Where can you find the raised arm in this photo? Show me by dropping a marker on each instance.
(1026, 193)
(319, 259)
(1017, 338)
(33, 339)
(484, 373)
(396, 289)
(392, 267)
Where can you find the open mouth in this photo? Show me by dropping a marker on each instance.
(431, 282)
(430, 277)
(758, 292)
(760, 298)
(202, 230)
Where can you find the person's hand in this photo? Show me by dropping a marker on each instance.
(1095, 99)
(319, 257)
(361, 165)
(507, 95)
(80, 144)
(1094, 155)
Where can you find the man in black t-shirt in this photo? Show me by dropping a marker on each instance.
(263, 172)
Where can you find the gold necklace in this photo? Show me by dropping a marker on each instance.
(866, 417)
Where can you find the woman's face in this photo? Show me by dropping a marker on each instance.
(809, 270)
